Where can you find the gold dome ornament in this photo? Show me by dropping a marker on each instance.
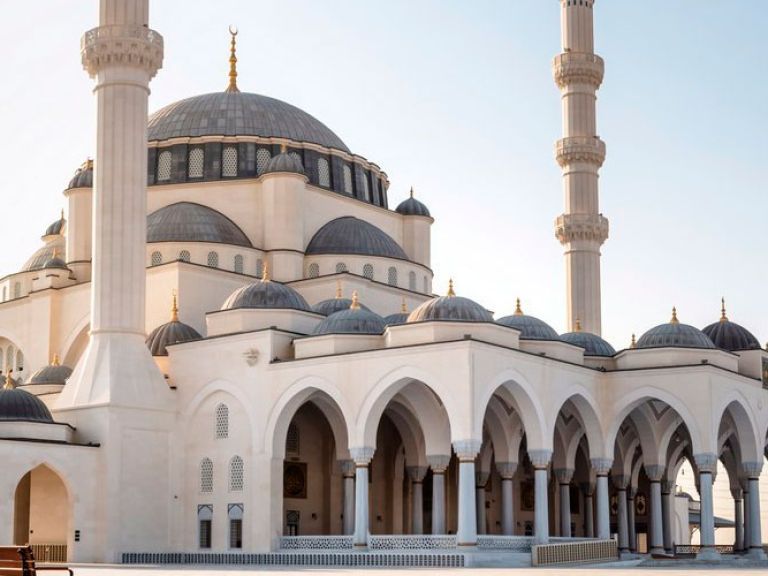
(578, 326)
(232, 87)
(355, 301)
(518, 309)
(674, 319)
(451, 292)
(9, 383)
(723, 317)
(174, 309)
(339, 293)
(633, 342)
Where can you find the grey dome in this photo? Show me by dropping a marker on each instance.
(56, 228)
(412, 207)
(42, 255)
(55, 262)
(397, 319)
(353, 320)
(83, 177)
(19, 405)
(450, 308)
(592, 343)
(531, 328)
(266, 294)
(730, 336)
(52, 374)
(350, 235)
(333, 305)
(173, 332)
(190, 222)
(239, 114)
(675, 335)
(284, 162)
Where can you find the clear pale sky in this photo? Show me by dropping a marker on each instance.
(456, 98)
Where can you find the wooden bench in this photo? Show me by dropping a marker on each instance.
(19, 561)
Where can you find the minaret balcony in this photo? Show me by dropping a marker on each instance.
(589, 227)
(572, 149)
(135, 46)
(578, 68)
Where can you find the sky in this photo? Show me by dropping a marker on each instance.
(456, 98)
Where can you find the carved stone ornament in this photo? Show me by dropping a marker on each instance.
(251, 356)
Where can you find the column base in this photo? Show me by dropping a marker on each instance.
(756, 554)
(659, 550)
(708, 553)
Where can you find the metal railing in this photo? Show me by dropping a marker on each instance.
(574, 552)
(49, 552)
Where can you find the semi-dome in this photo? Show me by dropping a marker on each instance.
(235, 113)
(592, 343)
(350, 235)
(675, 335)
(54, 373)
(173, 332)
(285, 162)
(265, 293)
(412, 207)
(190, 222)
(353, 320)
(730, 336)
(83, 177)
(531, 328)
(450, 308)
(19, 405)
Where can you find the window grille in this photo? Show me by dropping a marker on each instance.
(296, 156)
(157, 258)
(412, 280)
(222, 421)
(213, 259)
(206, 475)
(366, 188)
(348, 180)
(205, 521)
(368, 271)
(236, 474)
(392, 276)
(164, 163)
(262, 159)
(323, 172)
(196, 163)
(235, 526)
(229, 162)
(185, 256)
(292, 440)
(19, 361)
(238, 263)
(341, 267)
(314, 270)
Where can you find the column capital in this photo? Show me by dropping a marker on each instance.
(362, 455)
(481, 478)
(620, 481)
(129, 45)
(752, 469)
(540, 458)
(601, 466)
(737, 493)
(438, 463)
(467, 449)
(588, 488)
(347, 468)
(667, 486)
(416, 473)
(563, 475)
(506, 469)
(631, 491)
(706, 463)
(654, 472)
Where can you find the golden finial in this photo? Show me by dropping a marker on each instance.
(62, 214)
(339, 293)
(723, 317)
(403, 307)
(633, 343)
(174, 308)
(265, 272)
(578, 325)
(451, 292)
(355, 302)
(55, 361)
(518, 310)
(283, 148)
(232, 62)
(411, 191)
(9, 383)
(674, 319)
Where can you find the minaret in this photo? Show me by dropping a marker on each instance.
(581, 229)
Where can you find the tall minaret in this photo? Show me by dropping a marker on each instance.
(580, 153)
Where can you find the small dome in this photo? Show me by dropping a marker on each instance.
(450, 308)
(19, 405)
(674, 335)
(266, 294)
(333, 305)
(190, 222)
(55, 262)
(531, 328)
(353, 320)
(730, 336)
(54, 373)
(350, 235)
(285, 162)
(412, 207)
(592, 343)
(42, 255)
(83, 177)
(397, 319)
(57, 227)
(173, 332)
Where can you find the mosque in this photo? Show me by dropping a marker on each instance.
(229, 343)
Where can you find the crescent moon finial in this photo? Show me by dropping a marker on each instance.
(233, 30)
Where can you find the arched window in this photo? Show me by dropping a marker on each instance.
(239, 263)
(2, 361)
(392, 276)
(366, 188)
(205, 524)
(196, 163)
(341, 267)
(292, 440)
(368, 271)
(164, 163)
(185, 256)
(19, 361)
(206, 475)
(323, 173)
(5, 293)
(259, 267)
(314, 270)
(296, 156)
(235, 513)
(213, 259)
(348, 180)
(262, 159)
(426, 285)
(236, 474)
(17, 290)
(157, 258)
(9, 358)
(222, 421)
(229, 162)
(412, 280)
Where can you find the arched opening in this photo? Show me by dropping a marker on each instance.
(42, 514)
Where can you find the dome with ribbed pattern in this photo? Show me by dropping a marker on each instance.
(350, 235)
(592, 343)
(190, 222)
(266, 294)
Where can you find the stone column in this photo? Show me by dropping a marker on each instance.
(564, 477)
(348, 478)
(481, 479)
(707, 466)
(744, 481)
(667, 488)
(589, 509)
(416, 474)
(655, 473)
(467, 450)
(540, 460)
(362, 457)
(752, 472)
(439, 464)
(507, 472)
(631, 525)
(738, 517)
(621, 512)
(602, 466)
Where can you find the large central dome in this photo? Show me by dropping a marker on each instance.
(239, 114)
